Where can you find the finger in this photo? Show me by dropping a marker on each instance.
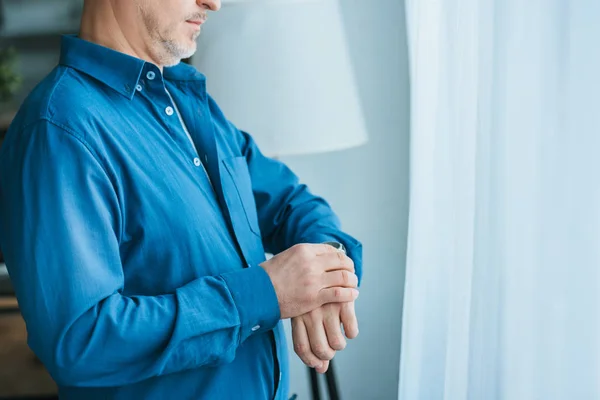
(317, 336)
(341, 278)
(349, 320)
(333, 330)
(325, 249)
(323, 368)
(335, 261)
(302, 344)
(337, 295)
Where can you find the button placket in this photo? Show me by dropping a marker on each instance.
(172, 109)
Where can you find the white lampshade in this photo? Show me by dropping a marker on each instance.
(281, 70)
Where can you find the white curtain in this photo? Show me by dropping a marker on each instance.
(503, 271)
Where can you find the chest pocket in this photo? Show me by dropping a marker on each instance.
(237, 188)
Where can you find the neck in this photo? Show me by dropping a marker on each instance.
(100, 25)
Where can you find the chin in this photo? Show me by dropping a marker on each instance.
(177, 50)
(171, 63)
(187, 43)
(191, 50)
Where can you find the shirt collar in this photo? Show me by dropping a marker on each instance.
(119, 71)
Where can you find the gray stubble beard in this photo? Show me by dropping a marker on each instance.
(169, 53)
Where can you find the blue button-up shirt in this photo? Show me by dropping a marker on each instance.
(134, 248)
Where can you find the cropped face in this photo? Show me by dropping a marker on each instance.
(171, 27)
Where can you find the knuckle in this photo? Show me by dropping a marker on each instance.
(301, 349)
(353, 280)
(337, 292)
(319, 349)
(304, 250)
(345, 278)
(297, 250)
(350, 263)
(337, 343)
(323, 352)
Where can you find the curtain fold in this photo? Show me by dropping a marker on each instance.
(502, 292)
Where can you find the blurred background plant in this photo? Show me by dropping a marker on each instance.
(10, 80)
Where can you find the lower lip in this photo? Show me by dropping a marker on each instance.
(195, 24)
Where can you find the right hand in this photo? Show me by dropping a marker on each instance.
(306, 276)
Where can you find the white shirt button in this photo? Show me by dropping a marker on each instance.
(255, 328)
(197, 162)
(169, 111)
(150, 75)
(138, 88)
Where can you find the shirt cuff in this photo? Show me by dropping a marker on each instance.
(255, 299)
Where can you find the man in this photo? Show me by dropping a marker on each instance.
(135, 219)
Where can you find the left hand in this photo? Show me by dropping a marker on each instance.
(317, 335)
